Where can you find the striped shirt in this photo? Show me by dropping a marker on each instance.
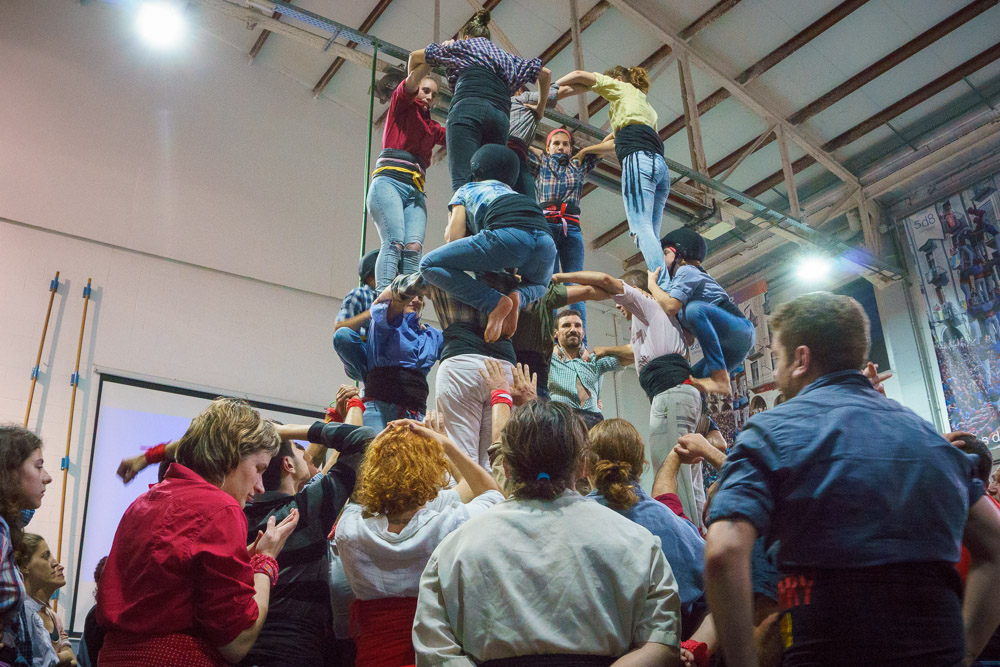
(564, 375)
(481, 52)
(12, 595)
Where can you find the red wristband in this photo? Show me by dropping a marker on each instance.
(332, 415)
(356, 403)
(699, 650)
(501, 396)
(156, 454)
(264, 564)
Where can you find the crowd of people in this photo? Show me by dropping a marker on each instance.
(513, 524)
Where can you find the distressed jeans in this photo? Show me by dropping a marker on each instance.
(399, 211)
(645, 186)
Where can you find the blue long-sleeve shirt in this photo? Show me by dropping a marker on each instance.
(846, 478)
(403, 342)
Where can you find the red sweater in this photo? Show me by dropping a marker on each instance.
(408, 126)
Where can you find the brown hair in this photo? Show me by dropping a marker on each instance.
(401, 470)
(16, 445)
(566, 312)
(27, 549)
(637, 76)
(834, 328)
(542, 445)
(638, 279)
(477, 26)
(225, 433)
(617, 456)
(973, 446)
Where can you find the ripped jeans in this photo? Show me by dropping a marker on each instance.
(400, 214)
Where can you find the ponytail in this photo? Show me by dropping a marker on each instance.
(477, 26)
(613, 480)
(637, 76)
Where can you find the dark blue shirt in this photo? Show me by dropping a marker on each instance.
(681, 542)
(847, 478)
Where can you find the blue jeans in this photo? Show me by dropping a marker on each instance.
(472, 123)
(532, 252)
(569, 258)
(352, 351)
(379, 413)
(725, 338)
(400, 214)
(645, 186)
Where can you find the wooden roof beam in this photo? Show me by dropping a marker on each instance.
(366, 25)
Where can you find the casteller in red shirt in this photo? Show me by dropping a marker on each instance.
(178, 581)
(408, 126)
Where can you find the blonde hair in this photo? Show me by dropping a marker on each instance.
(637, 76)
(477, 26)
(225, 433)
(401, 470)
(617, 456)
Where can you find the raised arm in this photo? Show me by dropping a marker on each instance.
(728, 588)
(609, 284)
(544, 81)
(132, 466)
(623, 353)
(980, 613)
(607, 145)
(414, 62)
(415, 73)
(355, 322)
(476, 479)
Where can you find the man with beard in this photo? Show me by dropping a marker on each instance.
(574, 374)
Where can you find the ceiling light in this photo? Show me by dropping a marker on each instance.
(813, 268)
(160, 24)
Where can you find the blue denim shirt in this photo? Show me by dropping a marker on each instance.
(847, 478)
(681, 542)
(404, 342)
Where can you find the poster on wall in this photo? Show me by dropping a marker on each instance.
(955, 246)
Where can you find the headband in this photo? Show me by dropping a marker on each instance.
(558, 129)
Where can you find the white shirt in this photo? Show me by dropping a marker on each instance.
(532, 577)
(381, 564)
(654, 333)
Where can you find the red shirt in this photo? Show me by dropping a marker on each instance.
(408, 126)
(179, 564)
(966, 560)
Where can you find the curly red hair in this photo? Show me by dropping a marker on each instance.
(401, 471)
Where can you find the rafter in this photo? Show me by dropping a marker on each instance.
(564, 40)
(870, 73)
(366, 25)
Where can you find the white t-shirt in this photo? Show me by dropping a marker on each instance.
(381, 564)
(654, 333)
(531, 577)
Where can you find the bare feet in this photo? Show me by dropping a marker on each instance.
(494, 326)
(510, 322)
(718, 383)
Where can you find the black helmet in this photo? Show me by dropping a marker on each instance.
(366, 266)
(495, 162)
(688, 243)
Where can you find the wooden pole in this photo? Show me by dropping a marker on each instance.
(74, 382)
(53, 288)
(574, 15)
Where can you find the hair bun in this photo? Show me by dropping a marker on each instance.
(482, 17)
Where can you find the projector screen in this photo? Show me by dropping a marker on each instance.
(132, 416)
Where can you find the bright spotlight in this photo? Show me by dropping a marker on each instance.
(813, 268)
(160, 24)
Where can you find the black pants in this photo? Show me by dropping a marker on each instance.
(472, 123)
(892, 615)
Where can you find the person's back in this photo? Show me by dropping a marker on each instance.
(568, 576)
(868, 502)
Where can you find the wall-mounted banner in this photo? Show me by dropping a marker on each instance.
(955, 244)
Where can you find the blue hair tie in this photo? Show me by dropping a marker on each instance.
(543, 475)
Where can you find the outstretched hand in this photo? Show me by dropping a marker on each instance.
(434, 420)
(131, 467)
(494, 376)
(345, 393)
(525, 387)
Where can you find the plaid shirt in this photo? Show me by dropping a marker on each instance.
(558, 179)
(481, 52)
(449, 309)
(357, 301)
(564, 375)
(12, 594)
